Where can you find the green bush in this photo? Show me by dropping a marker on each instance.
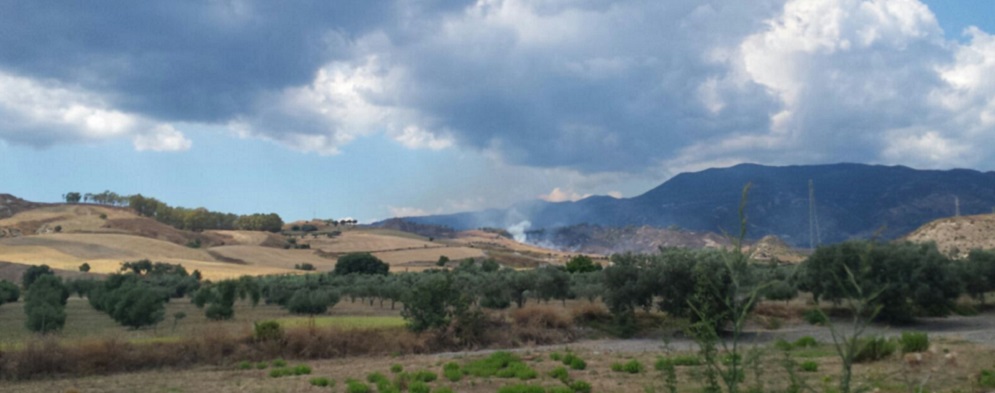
(376, 378)
(396, 368)
(986, 379)
(574, 361)
(500, 364)
(556, 356)
(914, 342)
(581, 387)
(419, 387)
(261, 365)
(354, 386)
(873, 349)
(424, 376)
(452, 372)
(280, 372)
(560, 373)
(809, 366)
(244, 365)
(302, 369)
(279, 363)
(806, 342)
(267, 331)
(322, 382)
(632, 367)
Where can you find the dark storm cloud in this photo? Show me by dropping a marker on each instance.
(180, 60)
(594, 86)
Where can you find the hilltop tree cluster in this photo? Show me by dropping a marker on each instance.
(200, 219)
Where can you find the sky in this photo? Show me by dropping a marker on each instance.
(368, 110)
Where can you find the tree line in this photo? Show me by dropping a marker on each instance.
(909, 280)
(196, 219)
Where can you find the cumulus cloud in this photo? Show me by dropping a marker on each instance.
(589, 86)
(43, 114)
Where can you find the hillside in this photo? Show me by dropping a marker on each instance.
(957, 236)
(65, 236)
(596, 239)
(852, 201)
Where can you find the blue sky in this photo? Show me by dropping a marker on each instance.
(377, 109)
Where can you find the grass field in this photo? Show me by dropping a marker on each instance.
(84, 323)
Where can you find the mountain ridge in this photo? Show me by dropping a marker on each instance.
(852, 201)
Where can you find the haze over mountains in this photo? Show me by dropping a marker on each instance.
(852, 201)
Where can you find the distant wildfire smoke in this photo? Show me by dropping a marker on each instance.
(518, 230)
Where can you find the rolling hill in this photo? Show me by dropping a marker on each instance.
(852, 201)
(64, 236)
(957, 236)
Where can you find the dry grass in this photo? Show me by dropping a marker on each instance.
(958, 235)
(366, 241)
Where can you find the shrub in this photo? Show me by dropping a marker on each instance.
(809, 366)
(986, 379)
(452, 372)
(279, 363)
(873, 349)
(424, 376)
(396, 368)
(354, 386)
(302, 370)
(580, 387)
(419, 387)
(261, 365)
(376, 378)
(806, 342)
(556, 356)
(304, 266)
(267, 331)
(814, 317)
(574, 361)
(9, 292)
(501, 365)
(280, 372)
(560, 373)
(914, 342)
(632, 367)
(244, 365)
(322, 382)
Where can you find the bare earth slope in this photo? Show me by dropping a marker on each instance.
(957, 236)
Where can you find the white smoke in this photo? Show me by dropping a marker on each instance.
(517, 231)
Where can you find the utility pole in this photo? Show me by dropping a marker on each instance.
(814, 237)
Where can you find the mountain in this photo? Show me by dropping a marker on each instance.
(852, 201)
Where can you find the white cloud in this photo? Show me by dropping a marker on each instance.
(162, 138)
(43, 114)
